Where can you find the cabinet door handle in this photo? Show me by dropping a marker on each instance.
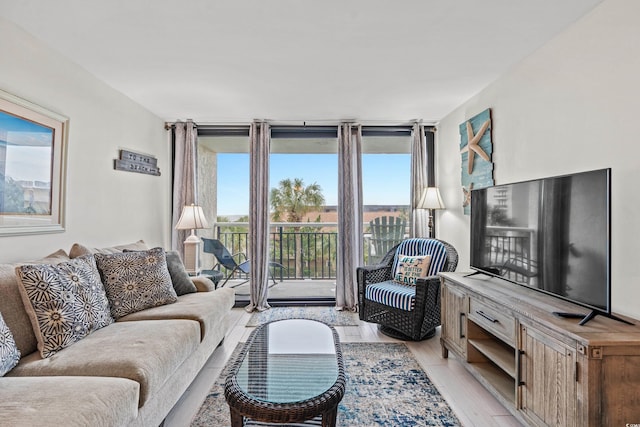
(461, 325)
(519, 371)
(486, 316)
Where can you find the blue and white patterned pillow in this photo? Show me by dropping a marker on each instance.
(9, 353)
(65, 302)
(136, 280)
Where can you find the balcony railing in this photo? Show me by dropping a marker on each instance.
(510, 249)
(306, 250)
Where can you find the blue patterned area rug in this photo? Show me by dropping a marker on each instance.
(385, 387)
(328, 315)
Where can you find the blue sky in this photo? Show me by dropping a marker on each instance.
(385, 178)
(28, 154)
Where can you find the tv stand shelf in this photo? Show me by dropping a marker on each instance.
(545, 369)
(497, 354)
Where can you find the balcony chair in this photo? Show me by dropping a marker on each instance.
(236, 263)
(387, 295)
(386, 232)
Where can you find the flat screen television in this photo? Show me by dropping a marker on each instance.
(552, 235)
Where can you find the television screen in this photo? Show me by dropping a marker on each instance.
(549, 234)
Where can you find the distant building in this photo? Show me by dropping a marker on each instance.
(369, 212)
(37, 197)
(330, 213)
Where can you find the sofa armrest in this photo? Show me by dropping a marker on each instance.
(203, 284)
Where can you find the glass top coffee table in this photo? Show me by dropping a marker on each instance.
(289, 371)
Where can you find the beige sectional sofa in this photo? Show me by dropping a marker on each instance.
(129, 373)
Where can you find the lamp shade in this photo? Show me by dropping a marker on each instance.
(431, 199)
(192, 217)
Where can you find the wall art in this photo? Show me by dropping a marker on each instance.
(476, 149)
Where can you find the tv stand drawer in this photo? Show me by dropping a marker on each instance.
(498, 323)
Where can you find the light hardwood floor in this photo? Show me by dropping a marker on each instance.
(473, 405)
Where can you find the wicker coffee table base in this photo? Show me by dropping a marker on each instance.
(247, 410)
(328, 419)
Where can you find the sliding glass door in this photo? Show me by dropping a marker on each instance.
(386, 189)
(303, 181)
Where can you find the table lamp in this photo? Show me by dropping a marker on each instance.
(431, 200)
(192, 218)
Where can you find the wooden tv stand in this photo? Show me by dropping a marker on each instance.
(546, 370)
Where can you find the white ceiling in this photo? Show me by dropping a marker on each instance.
(228, 61)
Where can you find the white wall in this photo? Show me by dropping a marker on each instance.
(104, 206)
(571, 106)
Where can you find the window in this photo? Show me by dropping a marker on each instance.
(223, 187)
(386, 189)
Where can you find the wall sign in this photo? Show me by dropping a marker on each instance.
(476, 149)
(130, 161)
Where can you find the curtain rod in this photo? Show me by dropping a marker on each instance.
(303, 123)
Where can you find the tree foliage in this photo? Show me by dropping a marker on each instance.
(292, 200)
(11, 196)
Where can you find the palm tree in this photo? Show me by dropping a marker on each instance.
(291, 201)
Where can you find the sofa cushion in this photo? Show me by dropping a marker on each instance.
(180, 279)
(147, 352)
(65, 302)
(392, 294)
(78, 250)
(135, 281)
(68, 401)
(12, 308)
(207, 308)
(412, 268)
(9, 353)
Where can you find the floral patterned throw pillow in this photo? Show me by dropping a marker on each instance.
(9, 353)
(135, 281)
(65, 302)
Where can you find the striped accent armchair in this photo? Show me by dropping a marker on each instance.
(405, 311)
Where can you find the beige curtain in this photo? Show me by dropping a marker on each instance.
(419, 181)
(350, 246)
(185, 187)
(259, 150)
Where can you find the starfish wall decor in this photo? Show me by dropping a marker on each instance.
(476, 171)
(467, 195)
(472, 146)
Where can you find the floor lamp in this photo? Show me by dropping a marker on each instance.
(431, 200)
(192, 218)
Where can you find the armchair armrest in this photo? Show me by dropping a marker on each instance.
(428, 297)
(367, 275)
(373, 273)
